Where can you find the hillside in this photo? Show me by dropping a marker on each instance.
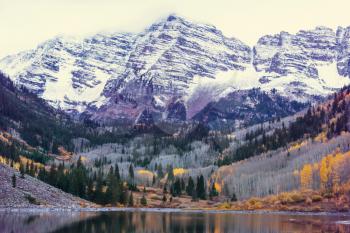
(28, 117)
(258, 161)
(36, 122)
(304, 165)
(30, 192)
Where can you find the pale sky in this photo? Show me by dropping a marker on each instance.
(26, 23)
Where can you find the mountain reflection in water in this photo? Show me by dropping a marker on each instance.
(170, 222)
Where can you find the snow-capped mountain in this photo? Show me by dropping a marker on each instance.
(303, 65)
(70, 73)
(175, 69)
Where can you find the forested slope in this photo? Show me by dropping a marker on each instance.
(311, 153)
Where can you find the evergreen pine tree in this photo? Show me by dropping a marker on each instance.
(21, 170)
(116, 171)
(79, 162)
(112, 192)
(99, 195)
(183, 186)
(201, 188)
(153, 180)
(176, 188)
(190, 187)
(27, 168)
(13, 154)
(52, 175)
(90, 190)
(233, 198)
(131, 172)
(14, 181)
(143, 200)
(32, 169)
(131, 200)
(42, 175)
(164, 198)
(160, 171)
(170, 172)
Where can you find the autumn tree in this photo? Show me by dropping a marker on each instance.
(306, 177)
(335, 172)
(324, 173)
(213, 192)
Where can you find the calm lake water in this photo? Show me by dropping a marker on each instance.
(169, 222)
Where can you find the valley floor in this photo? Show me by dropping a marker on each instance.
(31, 194)
(306, 202)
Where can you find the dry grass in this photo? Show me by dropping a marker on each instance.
(305, 200)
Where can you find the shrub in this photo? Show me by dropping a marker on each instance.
(254, 203)
(316, 198)
(258, 205)
(32, 200)
(225, 205)
(297, 197)
(285, 198)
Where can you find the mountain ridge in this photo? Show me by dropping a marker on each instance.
(119, 75)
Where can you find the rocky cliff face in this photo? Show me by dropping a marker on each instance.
(163, 63)
(343, 56)
(247, 107)
(175, 69)
(304, 65)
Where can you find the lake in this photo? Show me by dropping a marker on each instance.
(169, 222)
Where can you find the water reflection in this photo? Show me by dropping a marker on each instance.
(155, 222)
(19, 222)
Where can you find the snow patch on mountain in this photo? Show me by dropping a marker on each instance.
(204, 90)
(62, 94)
(328, 73)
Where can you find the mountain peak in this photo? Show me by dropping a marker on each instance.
(172, 17)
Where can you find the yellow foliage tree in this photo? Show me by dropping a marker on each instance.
(324, 172)
(306, 176)
(336, 162)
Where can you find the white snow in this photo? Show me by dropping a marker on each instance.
(204, 90)
(160, 100)
(57, 92)
(224, 83)
(329, 74)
